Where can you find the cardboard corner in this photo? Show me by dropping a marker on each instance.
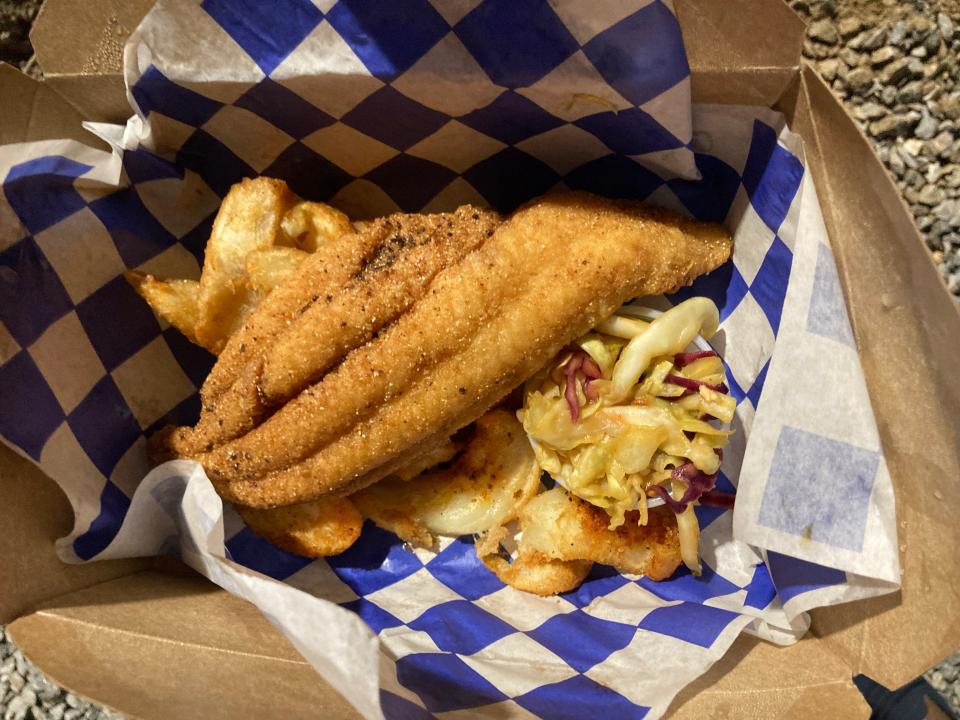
(740, 51)
(32, 111)
(79, 46)
(740, 34)
(35, 514)
(161, 645)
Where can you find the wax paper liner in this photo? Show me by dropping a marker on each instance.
(417, 105)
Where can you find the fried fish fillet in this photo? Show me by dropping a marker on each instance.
(341, 296)
(481, 327)
(561, 526)
(562, 536)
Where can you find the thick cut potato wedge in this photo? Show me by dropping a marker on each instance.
(249, 219)
(484, 488)
(269, 267)
(173, 300)
(308, 225)
(314, 529)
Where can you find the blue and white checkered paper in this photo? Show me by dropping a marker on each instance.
(424, 105)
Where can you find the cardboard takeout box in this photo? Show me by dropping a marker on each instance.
(152, 639)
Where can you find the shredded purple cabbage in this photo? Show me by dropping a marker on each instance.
(581, 362)
(684, 359)
(700, 487)
(719, 499)
(694, 385)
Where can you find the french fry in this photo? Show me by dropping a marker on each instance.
(307, 225)
(484, 487)
(269, 267)
(314, 529)
(173, 300)
(249, 219)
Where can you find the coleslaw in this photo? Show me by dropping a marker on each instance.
(628, 417)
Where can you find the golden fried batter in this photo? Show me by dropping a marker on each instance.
(340, 297)
(561, 526)
(484, 324)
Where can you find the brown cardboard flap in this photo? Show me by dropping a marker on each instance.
(32, 111)
(740, 34)
(908, 332)
(740, 51)
(79, 45)
(159, 645)
(35, 514)
(758, 680)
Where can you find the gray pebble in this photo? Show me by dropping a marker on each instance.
(945, 25)
(17, 682)
(939, 228)
(817, 51)
(930, 195)
(73, 714)
(910, 93)
(887, 127)
(939, 145)
(850, 26)
(38, 714)
(897, 33)
(56, 712)
(915, 68)
(859, 80)
(931, 43)
(926, 128)
(16, 709)
(46, 690)
(72, 700)
(919, 52)
(823, 31)
(933, 172)
(918, 26)
(851, 58)
(870, 111)
(948, 211)
(828, 68)
(896, 164)
(888, 95)
(882, 56)
(870, 39)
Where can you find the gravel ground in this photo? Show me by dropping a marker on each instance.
(895, 65)
(26, 694)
